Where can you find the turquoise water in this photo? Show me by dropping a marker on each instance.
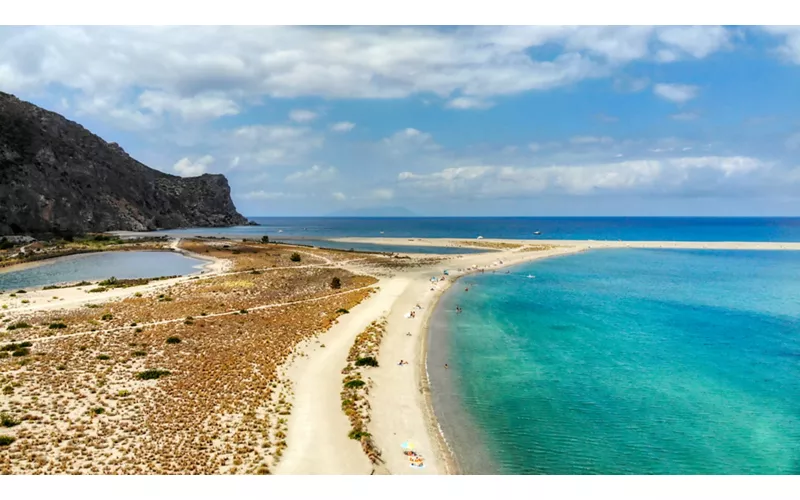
(624, 362)
(97, 266)
(372, 247)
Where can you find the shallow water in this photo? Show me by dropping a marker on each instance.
(624, 362)
(95, 266)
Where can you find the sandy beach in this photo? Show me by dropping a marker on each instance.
(400, 409)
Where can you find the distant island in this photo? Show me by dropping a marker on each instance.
(58, 178)
(374, 212)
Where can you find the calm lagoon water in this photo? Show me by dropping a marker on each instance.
(624, 362)
(103, 265)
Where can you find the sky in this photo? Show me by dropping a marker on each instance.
(441, 121)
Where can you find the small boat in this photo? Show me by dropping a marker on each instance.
(381, 232)
(531, 276)
(537, 233)
(280, 230)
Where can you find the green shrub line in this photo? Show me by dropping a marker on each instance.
(152, 374)
(6, 440)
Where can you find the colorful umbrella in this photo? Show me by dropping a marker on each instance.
(408, 445)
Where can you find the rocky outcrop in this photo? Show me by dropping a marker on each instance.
(56, 177)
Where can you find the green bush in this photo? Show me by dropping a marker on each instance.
(367, 361)
(295, 257)
(342, 310)
(243, 311)
(265, 239)
(18, 325)
(139, 354)
(173, 340)
(57, 326)
(152, 374)
(107, 316)
(109, 282)
(21, 291)
(6, 440)
(354, 384)
(336, 283)
(7, 421)
(103, 357)
(98, 289)
(98, 411)
(357, 435)
(22, 351)
(123, 394)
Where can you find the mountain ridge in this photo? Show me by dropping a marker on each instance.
(58, 177)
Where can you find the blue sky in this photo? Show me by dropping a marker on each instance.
(540, 120)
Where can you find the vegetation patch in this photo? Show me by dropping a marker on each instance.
(295, 257)
(7, 421)
(57, 326)
(362, 356)
(173, 340)
(19, 325)
(6, 440)
(152, 374)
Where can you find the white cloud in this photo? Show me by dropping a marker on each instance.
(408, 141)
(591, 140)
(687, 116)
(468, 103)
(631, 85)
(313, 174)
(188, 168)
(274, 195)
(273, 145)
(343, 127)
(381, 194)
(302, 115)
(695, 41)
(793, 141)
(676, 92)
(199, 107)
(534, 146)
(659, 175)
(790, 48)
(339, 196)
(233, 63)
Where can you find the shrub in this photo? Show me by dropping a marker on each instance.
(7, 421)
(98, 411)
(22, 351)
(92, 306)
(138, 330)
(336, 283)
(123, 394)
(57, 326)
(6, 440)
(254, 271)
(243, 311)
(342, 310)
(137, 294)
(152, 374)
(265, 239)
(295, 257)
(98, 289)
(103, 357)
(51, 287)
(21, 291)
(27, 343)
(26, 301)
(109, 282)
(354, 384)
(139, 354)
(367, 361)
(173, 340)
(107, 316)
(3, 354)
(61, 368)
(133, 324)
(18, 325)
(357, 435)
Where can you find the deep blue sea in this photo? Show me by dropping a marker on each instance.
(95, 266)
(581, 228)
(624, 362)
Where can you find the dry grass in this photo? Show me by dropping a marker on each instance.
(221, 408)
(497, 245)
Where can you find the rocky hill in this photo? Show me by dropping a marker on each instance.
(57, 177)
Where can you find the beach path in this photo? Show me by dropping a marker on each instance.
(318, 428)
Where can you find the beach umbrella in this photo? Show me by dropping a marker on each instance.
(408, 445)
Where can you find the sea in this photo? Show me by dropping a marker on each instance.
(98, 266)
(785, 229)
(623, 361)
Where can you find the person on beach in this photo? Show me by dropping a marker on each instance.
(445, 366)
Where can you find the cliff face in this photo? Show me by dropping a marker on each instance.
(56, 176)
